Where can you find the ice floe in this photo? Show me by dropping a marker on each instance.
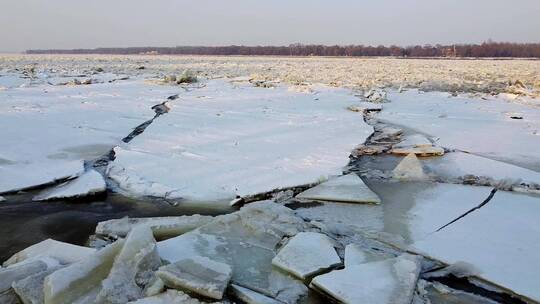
(307, 254)
(63, 252)
(88, 183)
(251, 297)
(470, 124)
(258, 140)
(170, 296)
(81, 281)
(162, 227)
(132, 268)
(389, 281)
(30, 289)
(198, 274)
(501, 240)
(347, 188)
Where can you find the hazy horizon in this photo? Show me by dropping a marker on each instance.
(65, 24)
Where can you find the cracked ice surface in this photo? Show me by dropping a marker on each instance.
(47, 131)
(222, 141)
(501, 239)
(471, 124)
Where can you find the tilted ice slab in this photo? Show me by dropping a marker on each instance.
(470, 124)
(246, 241)
(63, 252)
(347, 188)
(306, 254)
(240, 142)
(88, 183)
(162, 227)
(15, 177)
(390, 281)
(47, 131)
(501, 240)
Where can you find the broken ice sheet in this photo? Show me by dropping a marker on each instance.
(69, 125)
(306, 254)
(88, 183)
(245, 240)
(409, 168)
(389, 281)
(501, 240)
(258, 140)
(347, 188)
(470, 124)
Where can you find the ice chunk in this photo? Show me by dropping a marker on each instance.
(197, 274)
(347, 188)
(2, 199)
(170, 296)
(249, 238)
(88, 183)
(390, 281)
(306, 254)
(162, 227)
(30, 289)
(251, 297)
(410, 168)
(24, 176)
(132, 269)
(81, 281)
(18, 272)
(63, 252)
(414, 141)
(501, 240)
(420, 151)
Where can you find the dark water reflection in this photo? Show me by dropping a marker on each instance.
(24, 222)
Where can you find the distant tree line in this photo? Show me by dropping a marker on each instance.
(486, 49)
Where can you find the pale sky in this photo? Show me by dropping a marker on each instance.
(43, 24)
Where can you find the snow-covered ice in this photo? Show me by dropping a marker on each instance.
(197, 274)
(88, 183)
(356, 255)
(162, 227)
(240, 141)
(47, 131)
(307, 254)
(390, 281)
(63, 252)
(470, 124)
(501, 239)
(30, 289)
(347, 188)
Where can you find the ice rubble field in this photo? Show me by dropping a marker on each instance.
(287, 122)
